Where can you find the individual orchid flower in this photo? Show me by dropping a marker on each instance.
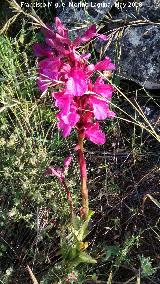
(61, 28)
(95, 134)
(62, 101)
(48, 72)
(42, 50)
(76, 85)
(60, 172)
(88, 35)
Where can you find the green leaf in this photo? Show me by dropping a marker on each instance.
(73, 253)
(94, 277)
(21, 38)
(76, 222)
(83, 232)
(111, 251)
(86, 258)
(116, 80)
(146, 266)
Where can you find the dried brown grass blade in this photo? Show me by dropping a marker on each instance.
(33, 278)
(9, 23)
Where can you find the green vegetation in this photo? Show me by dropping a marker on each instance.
(124, 234)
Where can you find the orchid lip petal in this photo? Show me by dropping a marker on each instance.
(76, 84)
(67, 162)
(95, 134)
(105, 64)
(57, 172)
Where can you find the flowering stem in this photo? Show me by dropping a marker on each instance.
(83, 171)
(69, 198)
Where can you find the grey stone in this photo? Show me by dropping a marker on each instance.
(78, 12)
(140, 55)
(144, 9)
(151, 111)
(136, 48)
(151, 9)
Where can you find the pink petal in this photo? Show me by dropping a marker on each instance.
(111, 114)
(100, 108)
(43, 84)
(48, 70)
(50, 63)
(63, 101)
(90, 69)
(73, 118)
(86, 56)
(58, 45)
(46, 80)
(65, 128)
(105, 64)
(74, 55)
(76, 84)
(67, 162)
(61, 28)
(77, 41)
(67, 122)
(88, 35)
(65, 69)
(94, 134)
(57, 172)
(102, 89)
(48, 74)
(62, 39)
(42, 50)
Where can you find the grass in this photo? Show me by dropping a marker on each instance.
(27, 134)
(123, 181)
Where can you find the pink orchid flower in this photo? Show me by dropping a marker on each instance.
(80, 100)
(60, 172)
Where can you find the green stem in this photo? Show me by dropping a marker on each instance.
(69, 198)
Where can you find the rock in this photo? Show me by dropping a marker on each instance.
(135, 49)
(74, 12)
(151, 111)
(150, 10)
(144, 9)
(140, 55)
